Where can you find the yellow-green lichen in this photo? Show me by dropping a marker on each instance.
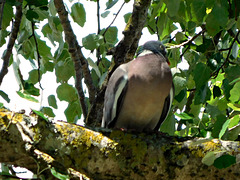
(207, 146)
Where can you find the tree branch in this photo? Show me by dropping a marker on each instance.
(188, 41)
(15, 28)
(1, 12)
(38, 55)
(80, 62)
(132, 33)
(123, 52)
(114, 19)
(215, 73)
(114, 155)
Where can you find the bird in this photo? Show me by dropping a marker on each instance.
(139, 93)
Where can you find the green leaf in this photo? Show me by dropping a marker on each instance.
(168, 126)
(224, 161)
(217, 19)
(209, 158)
(111, 35)
(92, 41)
(232, 72)
(234, 133)
(224, 128)
(64, 70)
(37, 3)
(202, 95)
(73, 112)
(52, 101)
(27, 96)
(234, 81)
(78, 14)
(3, 35)
(235, 107)
(4, 96)
(234, 121)
(199, 9)
(52, 8)
(226, 88)
(179, 83)
(184, 116)
(66, 92)
(181, 95)
(111, 3)
(30, 89)
(59, 175)
(172, 7)
(217, 127)
(44, 50)
(48, 111)
(126, 17)
(201, 75)
(235, 50)
(8, 16)
(235, 93)
(94, 66)
(30, 15)
(33, 76)
(105, 14)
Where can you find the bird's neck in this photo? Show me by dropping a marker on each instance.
(145, 52)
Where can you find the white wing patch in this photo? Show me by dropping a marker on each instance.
(118, 93)
(171, 100)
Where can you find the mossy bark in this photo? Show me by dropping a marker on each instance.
(37, 144)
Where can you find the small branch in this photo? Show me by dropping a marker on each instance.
(80, 62)
(214, 74)
(1, 12)
(38, 55)
(98, 31)
(188, 41)
(15, 28)
(114, 19)
(72, 43)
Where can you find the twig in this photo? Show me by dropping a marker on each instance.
(38, 55)
(80, 63)
(1, 12)
(15, 28)
(98, 31)
(113, 19)
(215, 73)
(188, 41)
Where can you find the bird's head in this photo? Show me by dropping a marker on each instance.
(155, 47)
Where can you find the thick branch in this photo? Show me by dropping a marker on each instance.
(132, 33)
(117, 155)
(81, 65)
(15, 28)
(123, 52)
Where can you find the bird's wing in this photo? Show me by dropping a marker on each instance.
(166, 107)
(114, 96)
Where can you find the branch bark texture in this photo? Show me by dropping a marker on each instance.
(15, 29)
(123, 52)
(32, 142)
(80, 62)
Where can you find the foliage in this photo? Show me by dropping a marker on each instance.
(204, 34)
